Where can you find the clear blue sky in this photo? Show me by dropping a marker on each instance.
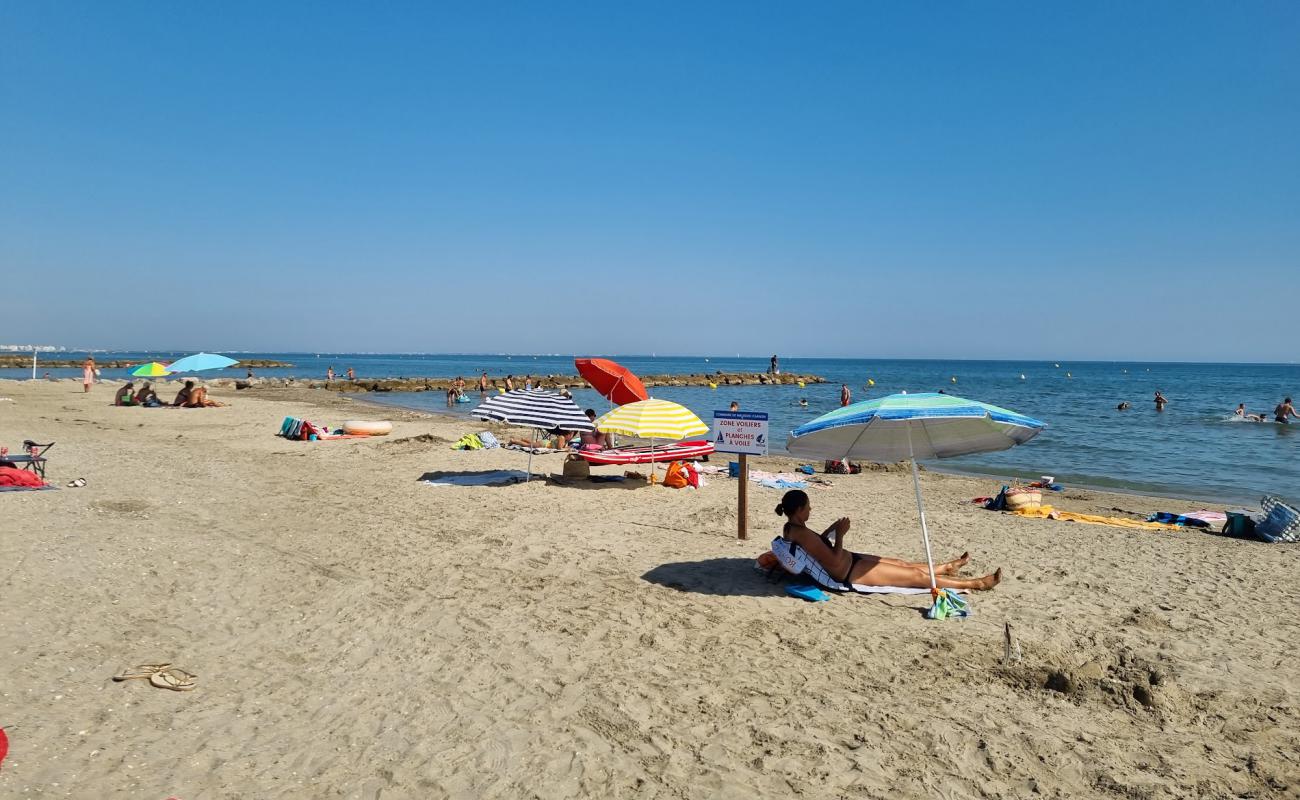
(993, 179)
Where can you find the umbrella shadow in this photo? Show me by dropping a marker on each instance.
(487, 477)
(724, 577)
(585, 484)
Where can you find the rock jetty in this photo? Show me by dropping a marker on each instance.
(546, 381)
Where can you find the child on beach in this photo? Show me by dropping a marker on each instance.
(87, 374)
(863, 569)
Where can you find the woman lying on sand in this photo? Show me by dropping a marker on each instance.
(864, 569)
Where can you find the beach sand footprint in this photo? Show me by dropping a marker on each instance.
(136, 509)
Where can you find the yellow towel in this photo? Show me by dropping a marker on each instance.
(1046, 512)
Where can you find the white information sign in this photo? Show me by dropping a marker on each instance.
(743, 432)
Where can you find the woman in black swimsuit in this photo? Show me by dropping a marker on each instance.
(864, 569)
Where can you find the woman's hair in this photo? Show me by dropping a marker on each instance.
(792, 501)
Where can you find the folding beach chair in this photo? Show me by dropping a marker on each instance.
(34, 460)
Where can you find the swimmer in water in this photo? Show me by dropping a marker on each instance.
(1160, 402)
(1124, 406)
(1283, 411)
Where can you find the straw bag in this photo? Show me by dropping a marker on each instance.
(1022, 498)
(576, 467)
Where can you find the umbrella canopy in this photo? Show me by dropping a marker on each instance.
(652, 419)
(534, 408)
(903, 426)
(151, 370)
(613, 381)
(912, 426)
(200, 362)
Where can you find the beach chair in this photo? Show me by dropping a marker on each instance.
(33, 460)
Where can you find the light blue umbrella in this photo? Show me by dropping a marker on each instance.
(200, 362)
(912, 426)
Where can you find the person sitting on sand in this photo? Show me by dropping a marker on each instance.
(192, 396)
(125, 396)
(594, 439)
(146, 396)
(868, 570)
(1283, 411)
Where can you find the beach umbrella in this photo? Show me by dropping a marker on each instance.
(613, 381)
(151, 370)
(200, 362)
(912, 426)
(652, 419)
(534, 408)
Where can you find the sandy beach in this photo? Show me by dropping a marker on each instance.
(360, 634)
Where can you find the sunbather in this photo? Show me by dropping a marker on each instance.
(146, 396)
(192, 396)
(554, 440)
(866, 569)
(125, 396)
(594, 439)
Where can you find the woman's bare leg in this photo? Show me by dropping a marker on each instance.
(870, 572)
(946, 568)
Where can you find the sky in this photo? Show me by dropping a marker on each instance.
(1091, 180)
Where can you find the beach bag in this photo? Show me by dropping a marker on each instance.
(676, 477)
(1239, 525)
(576, 467)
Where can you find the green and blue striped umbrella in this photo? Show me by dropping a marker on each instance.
(911, 426)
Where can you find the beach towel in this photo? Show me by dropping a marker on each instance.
(1047, 512)
(1205, 515)
(1181, 520)
(500, 477)
(469, 441)
(488, 440)
(796, 561)
(15, 478)
(781, 483)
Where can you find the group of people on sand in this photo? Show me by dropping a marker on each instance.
(190, 396)
(557, 439)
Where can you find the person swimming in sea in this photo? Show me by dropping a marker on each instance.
(1283, 411)
(803, 402)
(1161, 401)
(868, 570)
(1124, 406)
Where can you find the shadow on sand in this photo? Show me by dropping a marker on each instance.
(725, 577)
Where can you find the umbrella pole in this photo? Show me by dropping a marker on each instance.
(532, 443)
(652, 461)
(920, 508)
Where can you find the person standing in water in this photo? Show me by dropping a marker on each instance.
(483, 384)
(846, 394)
(1160, 402)
(1283, 411)
(329, 374)
(352, 374)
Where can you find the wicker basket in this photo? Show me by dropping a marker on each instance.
(1027, 499)
(576, 467)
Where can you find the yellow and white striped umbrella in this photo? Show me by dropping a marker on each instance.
(652, 419)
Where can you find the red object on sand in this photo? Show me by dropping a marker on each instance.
(645, 455)
(615, 382)
(4, 745)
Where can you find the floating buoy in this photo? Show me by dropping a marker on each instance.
(870, 382)
(500, 390)
(712, 385)
(953, 379)
(1068, 375)
(801, 384)
(1022, 376)
(1125, 372)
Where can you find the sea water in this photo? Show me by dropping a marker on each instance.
(1194, 448)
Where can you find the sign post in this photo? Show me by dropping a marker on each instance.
(745, 434)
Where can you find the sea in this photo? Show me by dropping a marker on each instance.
(1196, 448)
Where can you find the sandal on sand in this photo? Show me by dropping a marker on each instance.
(140, 671)
(174, 678)
(77, 484)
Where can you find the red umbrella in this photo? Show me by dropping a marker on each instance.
(615, 382)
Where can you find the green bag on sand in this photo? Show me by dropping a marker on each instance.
(948, 603)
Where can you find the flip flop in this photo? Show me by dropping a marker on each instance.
(174, 678)
(77, 484)
(140, 671)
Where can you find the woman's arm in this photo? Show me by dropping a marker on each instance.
(839, 527)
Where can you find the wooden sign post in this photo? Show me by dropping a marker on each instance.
(745, 434)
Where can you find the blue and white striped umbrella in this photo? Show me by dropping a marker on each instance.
(912, 426)
(534, 408)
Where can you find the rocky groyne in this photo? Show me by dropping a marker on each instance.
(546, 382)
